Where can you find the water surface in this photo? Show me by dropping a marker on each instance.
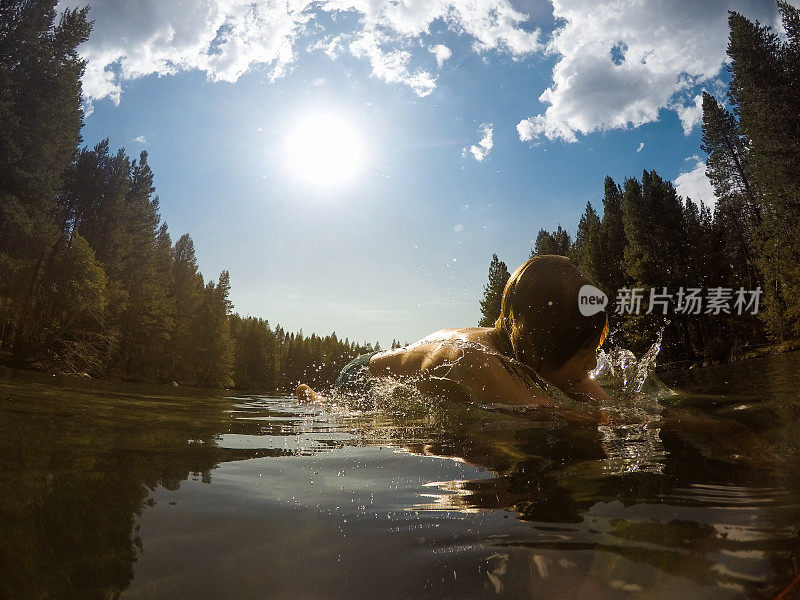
(109, 490)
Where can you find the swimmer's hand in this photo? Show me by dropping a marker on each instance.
(305, 394)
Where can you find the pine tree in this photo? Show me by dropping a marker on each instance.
(728, 170)
(187, 291)
(255, 353)
(73, 312)
(599, 245)
(586, 251)
(109, 200)
(649, 237)
(727, 164)
(40, 97)
(754, 161)
(765, 97)
(40, 122)
(217, 350)
(557, 242)
(149, 319)
(611, 273)
(655, 254)
(493, 292)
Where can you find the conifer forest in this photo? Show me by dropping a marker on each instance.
(91, 280)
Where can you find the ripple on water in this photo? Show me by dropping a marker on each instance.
(300, 442)
(422, 498)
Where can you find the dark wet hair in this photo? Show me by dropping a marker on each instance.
(540, 321)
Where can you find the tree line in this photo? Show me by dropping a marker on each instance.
(649, 237)
(90, 279)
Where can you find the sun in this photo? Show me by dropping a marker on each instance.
(325, 149)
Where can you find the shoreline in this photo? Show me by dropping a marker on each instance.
(758, 351)
(53, 370)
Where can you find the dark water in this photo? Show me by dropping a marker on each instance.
(121, 491)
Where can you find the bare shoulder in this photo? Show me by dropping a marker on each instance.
(441, 345)
(418, 358)
(467, 358)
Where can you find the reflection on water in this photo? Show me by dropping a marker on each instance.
(632, 449)
(121, 491)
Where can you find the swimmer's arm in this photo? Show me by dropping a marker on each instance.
(486, 379)
(589, 391)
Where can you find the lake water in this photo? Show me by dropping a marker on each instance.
(110, 490)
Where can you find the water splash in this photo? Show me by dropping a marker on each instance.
(629, 377)
(630, 382)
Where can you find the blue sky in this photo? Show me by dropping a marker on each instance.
(560, 94)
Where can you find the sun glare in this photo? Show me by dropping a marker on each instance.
(325, 150)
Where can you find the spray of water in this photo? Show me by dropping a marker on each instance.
(395, 412)
(621, 373)
(631, 383)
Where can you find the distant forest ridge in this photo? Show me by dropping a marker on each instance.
(90, 280)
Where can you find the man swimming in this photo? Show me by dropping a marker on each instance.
(539, 335)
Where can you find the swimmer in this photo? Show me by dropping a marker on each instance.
(539, 335)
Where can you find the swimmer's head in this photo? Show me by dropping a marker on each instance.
(540, 316)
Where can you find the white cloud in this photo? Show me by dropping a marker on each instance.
(392, 66)
(226, 38)
(695, 185)
(441, 52)
(640, 148)
(140, 139)
(534, 127)
(691, 114)
(331, 46)
(621, 61)
(222, 38)
(389, 26)
(484, 146)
